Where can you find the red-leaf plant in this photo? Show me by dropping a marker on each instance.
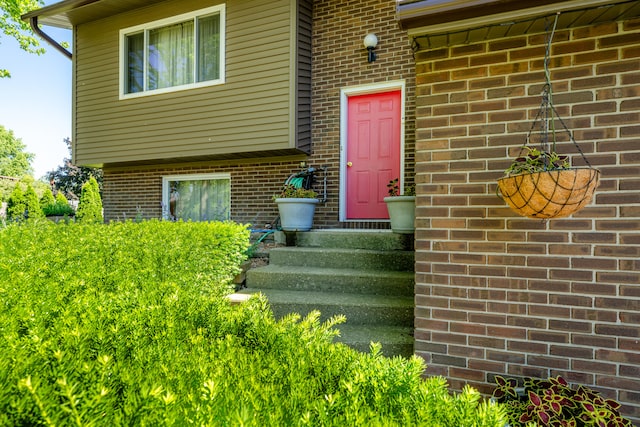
(554, 403)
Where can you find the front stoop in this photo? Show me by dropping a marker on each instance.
(368, 276)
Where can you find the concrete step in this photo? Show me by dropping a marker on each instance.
(400, 283)
(383, 240)
(395, 340)
(365, 275)
(359, 309)
(365, 259)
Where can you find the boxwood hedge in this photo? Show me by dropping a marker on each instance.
(127, 324)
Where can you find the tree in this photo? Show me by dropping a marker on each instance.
(14, 161)
(16, 206)
(90, 206)
(12, 26)
(61, 200)
(47, 199)
(32, 204)
(70, 178)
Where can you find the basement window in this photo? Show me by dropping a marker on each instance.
(181, 52)
(202, 197)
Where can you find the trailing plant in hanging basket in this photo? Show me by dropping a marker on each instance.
(541, 183)
(537, 161)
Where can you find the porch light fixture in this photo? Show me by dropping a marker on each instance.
(370, 42)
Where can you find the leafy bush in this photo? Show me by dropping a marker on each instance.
(57, 209)
(553, 402)
(6, 187)
(32, 204)
(47, 199)
(125, 324)
(61, 199)
(58, 206)
(90, 205)
(16, 205)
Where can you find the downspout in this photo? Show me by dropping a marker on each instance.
(34, 26)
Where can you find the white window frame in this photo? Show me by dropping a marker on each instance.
(188, 177)
(220, 9)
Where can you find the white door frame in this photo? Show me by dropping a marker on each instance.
(367, 89)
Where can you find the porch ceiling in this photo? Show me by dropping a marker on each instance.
(439, 23)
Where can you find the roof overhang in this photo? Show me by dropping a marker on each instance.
(67, 13)
(446, 22)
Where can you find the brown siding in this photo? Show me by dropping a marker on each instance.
(303, 82)
(339, 61)
(250, 112)
(501, 294)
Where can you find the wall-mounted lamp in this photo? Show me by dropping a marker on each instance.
(370, 42)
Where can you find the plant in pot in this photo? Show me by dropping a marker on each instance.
(540, 183)
(296, 206)
(401, 207)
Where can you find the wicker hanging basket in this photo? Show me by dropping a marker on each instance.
(541, 183)
(549, 194)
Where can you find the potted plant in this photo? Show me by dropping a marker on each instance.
(401, 207)
(296, 206)
(541, 183)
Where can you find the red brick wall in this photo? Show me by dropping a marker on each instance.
(501, 294)
(340, 60)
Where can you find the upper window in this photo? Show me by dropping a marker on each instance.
(181, 52)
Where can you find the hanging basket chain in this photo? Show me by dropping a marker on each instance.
(548, 119)
(550, 188)
(547, 111)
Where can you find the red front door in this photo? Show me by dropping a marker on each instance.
(373, 152)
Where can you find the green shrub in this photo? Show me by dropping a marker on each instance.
(125, 324)
(16, 205)
(58, 210)
(59, 207)
(47, 199)
(6, 187)
(61, 200)
(32, 204)
(90, 205)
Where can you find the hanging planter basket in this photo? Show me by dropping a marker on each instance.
(541, 183)
(549, 194)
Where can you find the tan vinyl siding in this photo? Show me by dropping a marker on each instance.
(250, 112)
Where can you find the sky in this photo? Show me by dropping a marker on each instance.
(35, 103)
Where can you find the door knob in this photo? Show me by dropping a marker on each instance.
(349, 164)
